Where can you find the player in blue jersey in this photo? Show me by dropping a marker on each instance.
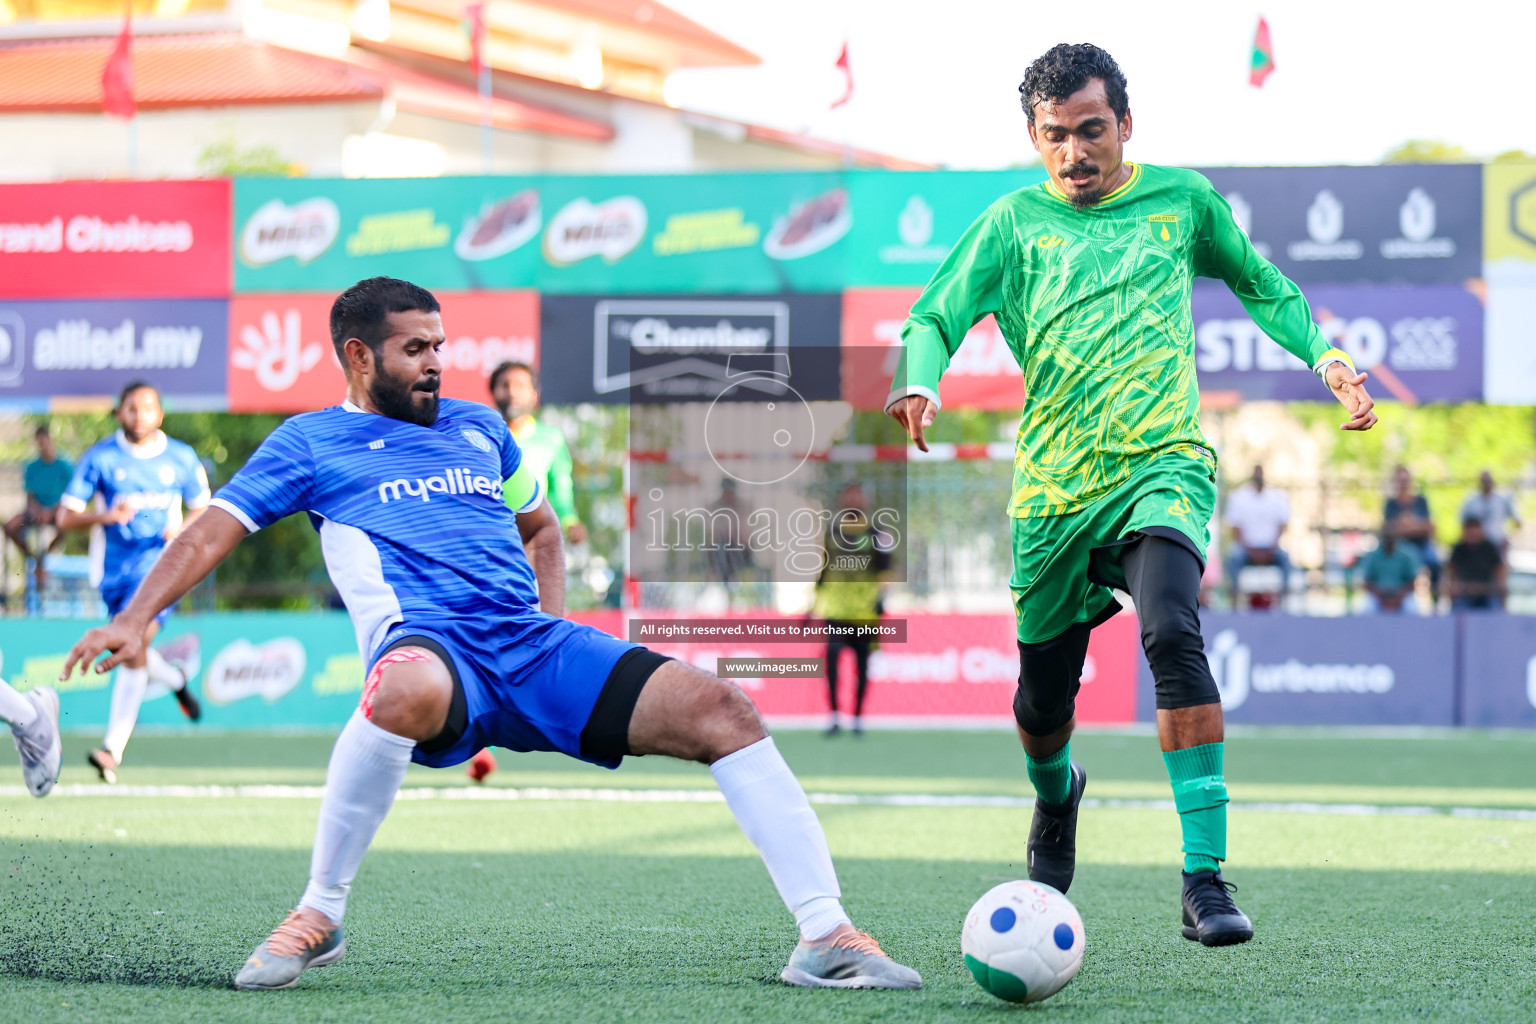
(457, 599)
(145, 488)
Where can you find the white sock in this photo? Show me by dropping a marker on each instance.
(162, 671)
(772, 810)
(15, 710)
(127, 694)
(367, 767)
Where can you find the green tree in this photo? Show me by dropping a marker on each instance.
(1427, 151)
(226, 158)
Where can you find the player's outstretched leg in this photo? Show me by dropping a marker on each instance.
(174, 664)
(1044, 706)
(405, 699)
(1164, 580)
(128, 686)
(685, 713)
(34, 720)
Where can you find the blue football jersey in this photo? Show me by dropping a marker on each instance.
(158, 479)
(411, 518)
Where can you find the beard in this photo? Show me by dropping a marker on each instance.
(394, 398)
(1088, 197)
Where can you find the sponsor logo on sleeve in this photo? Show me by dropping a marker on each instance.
(276, 231)
(583, 229)
(500, 227)
(1325, 230)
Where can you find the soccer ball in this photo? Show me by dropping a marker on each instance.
(1023, 941)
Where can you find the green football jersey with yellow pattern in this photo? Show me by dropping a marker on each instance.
(1094, 303)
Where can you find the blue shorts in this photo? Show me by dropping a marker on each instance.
(536, 693)
(118, 596)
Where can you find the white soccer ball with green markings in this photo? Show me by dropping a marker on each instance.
(1023, 941)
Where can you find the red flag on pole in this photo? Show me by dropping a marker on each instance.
(117, 77)
(474, 24)
(847, 70)
(1262, 61)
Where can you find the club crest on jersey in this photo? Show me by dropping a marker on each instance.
(479, 440)
(1165, 229)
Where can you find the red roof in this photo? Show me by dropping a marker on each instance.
(174, 71)
(214, 71)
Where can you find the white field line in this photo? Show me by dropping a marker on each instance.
(498, 794)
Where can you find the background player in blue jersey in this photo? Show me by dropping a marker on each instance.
(146, 488)
(456, 598)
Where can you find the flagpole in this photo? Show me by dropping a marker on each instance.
(487, 154)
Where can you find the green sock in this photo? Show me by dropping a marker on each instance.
(1052, 776)
(1200, 794)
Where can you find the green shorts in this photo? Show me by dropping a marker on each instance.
(1064, 566)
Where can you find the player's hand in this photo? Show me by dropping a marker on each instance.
(915, 413)
(1349, 389)
(576, 533)
(120, 513)
(124, 642)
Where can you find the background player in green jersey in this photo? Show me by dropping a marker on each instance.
(515, 388)
(1088, 275)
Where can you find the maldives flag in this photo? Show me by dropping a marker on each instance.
(474, 24)
(847, 70)
(1262, 63)
(117, 77)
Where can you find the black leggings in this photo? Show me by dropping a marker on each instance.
(1163, 579)
(860, 649)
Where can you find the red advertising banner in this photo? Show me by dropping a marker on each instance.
(957, 668)
(116, 240)
(281, 358)
(982, 375)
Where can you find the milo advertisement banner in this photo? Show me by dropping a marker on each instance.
(736, 233)
(259, 670)
(627, 234)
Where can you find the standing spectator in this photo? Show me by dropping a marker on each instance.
(515, 389)
(44, 478)
(1388, 574)
(1258, 516)
(1492, 510)
(848, 594)
(1407, 515)
(1475, 571)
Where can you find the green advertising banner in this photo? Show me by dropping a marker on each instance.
(260, 670)
(589, 234)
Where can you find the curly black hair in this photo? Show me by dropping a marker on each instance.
(1067, 67)
(362, 311)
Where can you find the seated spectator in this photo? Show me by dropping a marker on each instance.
(1407, 514)
(1388, 575)
(1258, 516)
(44, 479)
(1474, 574)
(1492, 510)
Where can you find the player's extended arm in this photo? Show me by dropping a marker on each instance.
(1223, 251)
(186, 560)
(967, 287)
(72, 519)
(540, 530)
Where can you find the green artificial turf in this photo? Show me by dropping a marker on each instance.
(141, 908)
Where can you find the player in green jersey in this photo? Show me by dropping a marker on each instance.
(1088, 275)
(515, 388)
